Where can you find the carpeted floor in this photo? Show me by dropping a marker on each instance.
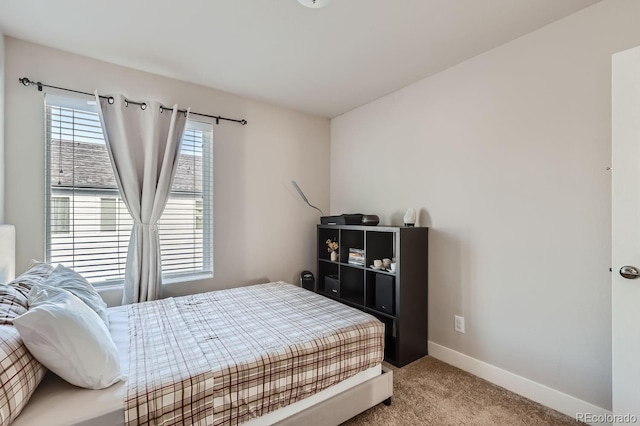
(430, 392)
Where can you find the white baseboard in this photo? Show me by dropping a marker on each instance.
(537, 392)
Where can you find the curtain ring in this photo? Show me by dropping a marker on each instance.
(161, 109)
(110, 100)
(126, 103)
(143, 106)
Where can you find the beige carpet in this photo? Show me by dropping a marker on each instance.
(430, 392)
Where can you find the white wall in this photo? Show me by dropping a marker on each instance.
(2, 172)
(505, 155)
(262, 230)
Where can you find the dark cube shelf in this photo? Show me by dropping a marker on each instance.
(398, 299)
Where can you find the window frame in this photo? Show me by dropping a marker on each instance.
(204, 124)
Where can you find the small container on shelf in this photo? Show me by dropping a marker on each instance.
(332, 285)
(385, 293)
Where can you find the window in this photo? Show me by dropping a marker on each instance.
(88, 226)
(60, 218)
(108, 215)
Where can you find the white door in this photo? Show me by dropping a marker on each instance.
(626, 232)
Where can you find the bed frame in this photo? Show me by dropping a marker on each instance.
(332, 410)
(347, 404)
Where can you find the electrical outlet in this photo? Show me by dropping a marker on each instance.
(459, 324)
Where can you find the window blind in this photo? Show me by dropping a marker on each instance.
(88, 226)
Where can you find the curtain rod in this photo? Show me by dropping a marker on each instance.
(27, 82)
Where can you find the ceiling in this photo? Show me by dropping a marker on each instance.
(321, 61)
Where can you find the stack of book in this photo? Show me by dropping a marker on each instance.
(356, 257)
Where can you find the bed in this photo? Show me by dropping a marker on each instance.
(256, 355)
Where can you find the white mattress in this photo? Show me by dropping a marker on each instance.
(57, 403)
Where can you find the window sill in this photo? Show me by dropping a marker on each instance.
(104, 288)
(118, 285)
(187, 278)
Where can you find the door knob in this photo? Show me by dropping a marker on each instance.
(630, 272)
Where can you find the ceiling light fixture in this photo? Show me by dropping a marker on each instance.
(314, 4)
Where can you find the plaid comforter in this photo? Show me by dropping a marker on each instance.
(227, 356)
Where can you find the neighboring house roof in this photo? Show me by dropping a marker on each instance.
(87, 165)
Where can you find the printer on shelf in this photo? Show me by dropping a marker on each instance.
(343, 219)
(350, 219)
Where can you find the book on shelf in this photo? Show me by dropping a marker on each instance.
(356, 257)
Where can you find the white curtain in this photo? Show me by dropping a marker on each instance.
(144, 147)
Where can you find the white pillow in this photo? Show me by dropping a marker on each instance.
(75, 283)
(68, 338)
